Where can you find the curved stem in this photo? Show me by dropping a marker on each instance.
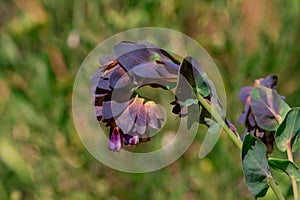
(220, 121)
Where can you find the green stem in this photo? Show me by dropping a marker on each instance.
(274, 187)
(236, 140)
(290, 157)
(220, 121)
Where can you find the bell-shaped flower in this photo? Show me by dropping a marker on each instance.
(114, 86)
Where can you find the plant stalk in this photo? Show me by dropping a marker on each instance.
(220, 121)
(290, 157)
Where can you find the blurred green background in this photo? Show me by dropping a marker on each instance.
(42, 44)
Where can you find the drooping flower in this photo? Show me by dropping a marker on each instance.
(114, 88)
(248, 117)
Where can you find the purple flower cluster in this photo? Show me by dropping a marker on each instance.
(247, 116)
(115, 85)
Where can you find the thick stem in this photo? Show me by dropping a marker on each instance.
(290, 157)
(274, 187)
(220, 121)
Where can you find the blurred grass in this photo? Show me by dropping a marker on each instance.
(42, 44)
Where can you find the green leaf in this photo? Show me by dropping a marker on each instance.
(284, 165)
(288, 131)
(214, 128)
(193, 82)
(255, 165)
(186, 92)
(192, 71)
(193, 114)
(268, 107)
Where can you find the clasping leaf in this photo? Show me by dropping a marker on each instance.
(283, 165)
(288, 131)
(255, 165)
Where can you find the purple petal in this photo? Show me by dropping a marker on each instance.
(96, 76)
(153, 71)
(245, 113)
(162, 53)
(131, 54)
(155, 108)
(119, 78)
(171, 64)
(244, 93)
(106, 75)
(103, 84)
(98, 111)
(134, 108)
(154, 115)
(112, 108)
(126, 47)
(242, 118)
(115, 142)
(106, 59)
(130, 140)
(166, 73)
(251, 119)
(269, 81)
(231, 126)
(141, 120)
(125, 122)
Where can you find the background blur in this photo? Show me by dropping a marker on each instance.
(42, 44)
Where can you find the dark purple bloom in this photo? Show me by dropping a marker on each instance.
(247, 116)
(114, 85)
(244, 95)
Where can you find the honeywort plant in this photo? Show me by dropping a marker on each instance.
(131, 117)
